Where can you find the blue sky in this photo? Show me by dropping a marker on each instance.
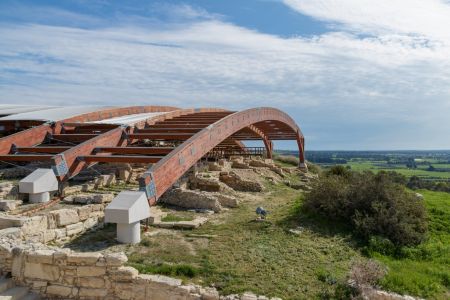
(354, 74)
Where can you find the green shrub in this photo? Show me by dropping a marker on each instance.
(372, 203)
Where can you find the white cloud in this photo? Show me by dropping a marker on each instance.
(428, 18)
(338, 80)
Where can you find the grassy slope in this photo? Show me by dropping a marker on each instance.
(426, 272)
(264, 257)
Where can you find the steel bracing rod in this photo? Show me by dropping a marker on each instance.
(168, 170)
(121, 158)
(134, 150)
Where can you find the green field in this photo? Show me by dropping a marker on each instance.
(358, 165)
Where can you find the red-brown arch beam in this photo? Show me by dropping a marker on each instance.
(162, 175)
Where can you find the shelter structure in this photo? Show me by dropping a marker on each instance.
(171, 140)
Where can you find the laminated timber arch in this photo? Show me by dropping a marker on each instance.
(172, 139)
(162, 175)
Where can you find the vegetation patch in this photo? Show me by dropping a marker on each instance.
(176, 218)
(373, 204)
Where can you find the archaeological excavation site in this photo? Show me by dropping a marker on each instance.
(138, 202)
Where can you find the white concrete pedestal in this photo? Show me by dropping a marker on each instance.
(127, 209)
(39, 197)
(38, 185)
(129, 233)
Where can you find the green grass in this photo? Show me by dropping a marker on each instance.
(264, 257)
(424, 270)
(176, 218)
(180, 270)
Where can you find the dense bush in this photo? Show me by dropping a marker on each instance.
(416, 182)
(372, 203)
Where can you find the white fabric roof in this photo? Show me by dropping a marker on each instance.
(9, 109)
(55, 113)
(129, 119)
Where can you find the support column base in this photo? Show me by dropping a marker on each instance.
(303, 166)
(129, 233)
(39, 197)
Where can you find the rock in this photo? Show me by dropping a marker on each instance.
(156, 215)
(7, 205)
(87, 271)
(419, 196)
(125, 273)
(41, 271)
(73, 229)
(65, 216)
(92, 282)
(228, 201)
(93, 198)
(84, 212)
(213, 166)
(59, 290)
(191, 199)
(115, 259)
(124, 175)
(9, 221)
(90, 292)
(249, 296)
(41, 256)
(234, 181)
(83, 258)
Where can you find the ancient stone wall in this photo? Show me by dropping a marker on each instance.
(61, 273)
(57, 225)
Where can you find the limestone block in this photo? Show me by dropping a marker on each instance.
(249, 296)
(34, 225)
(124, 274)
(41, 271)
(60, 256)
(84, 212)
(73, 229)
(115, 259)
(49, 235)
(93, 198)
(8, 221)
(41, 256)
(8, 205)
(59, 290)
(90, 292)
(87, 271)
(83, 258)
(18, 262)
(209, 293)
(51, 222)
(192, 199)
(60, 233)
(156, 281)
(65, 216)
(228, 201)
(12, 233)
(90, 223)
(92, 282)
(127, 291)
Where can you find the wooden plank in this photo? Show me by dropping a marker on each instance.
(121, 158)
